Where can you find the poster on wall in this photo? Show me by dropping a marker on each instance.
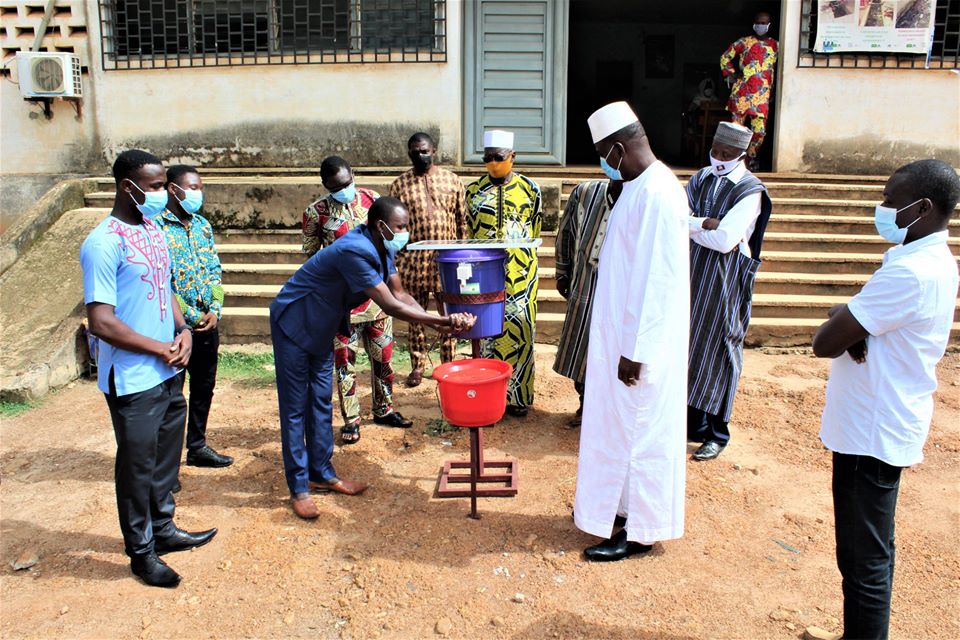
(874, 26)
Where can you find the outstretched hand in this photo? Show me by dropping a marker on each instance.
(628, 371)
(458, 323)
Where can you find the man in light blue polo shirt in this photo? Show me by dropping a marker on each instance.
(145, 343)
(886, 343)
(310, 309)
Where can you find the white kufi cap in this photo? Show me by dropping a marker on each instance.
(497, 139)
(610, 119)
(735, 135)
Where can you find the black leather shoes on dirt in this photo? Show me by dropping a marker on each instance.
(708, 451)
(154, 571)
(393, 419)
(616, 548)
(207, 457)
(183, 540)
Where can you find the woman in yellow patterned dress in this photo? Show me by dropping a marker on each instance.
(750, 63)
(506, 205)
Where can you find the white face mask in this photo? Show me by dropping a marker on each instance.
(761, 29)
(885, 220)
(723, 167)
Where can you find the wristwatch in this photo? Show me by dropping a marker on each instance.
(181, 328)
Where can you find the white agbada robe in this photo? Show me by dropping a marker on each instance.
(633, 439)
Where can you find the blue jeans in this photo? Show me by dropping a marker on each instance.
(304, 394)
(864, 503)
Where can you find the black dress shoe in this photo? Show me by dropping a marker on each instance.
(616, 548)
(183, 540)
(207, 457)
(154, 571)
(708, 450)
(393, 419)
(517, 411)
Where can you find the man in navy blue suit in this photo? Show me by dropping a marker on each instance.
(312, 306)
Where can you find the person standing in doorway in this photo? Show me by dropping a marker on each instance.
(344, 208)
(885, 344)
(729, 209)
(632, 444)
(197, 285)
(505, 205)
(749, 65)
(145, 342)
(435, 200)
(580, 235)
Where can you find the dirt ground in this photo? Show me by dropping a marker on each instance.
(756, 560)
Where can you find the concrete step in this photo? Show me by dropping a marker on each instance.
(257, 236)
(787, 189)
(261, 295)
(820, 262)
(270, 274)
(237, 253)
(830, 242)
(816, 284)
(766, 305)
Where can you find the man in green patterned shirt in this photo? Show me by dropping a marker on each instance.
(197, 285)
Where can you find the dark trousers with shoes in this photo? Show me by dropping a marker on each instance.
(148, 426)
(864, 503)
(203, 378)
(706, 427)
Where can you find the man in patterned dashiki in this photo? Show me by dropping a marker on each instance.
(145, 343)
(434, 197)
(579, 239)
(749, 63)
(197, 285)
(729, 210)
(325, 220)
(506, 205)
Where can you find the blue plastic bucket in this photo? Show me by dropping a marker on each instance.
(468, 277)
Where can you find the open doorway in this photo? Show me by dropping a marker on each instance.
(658, 56)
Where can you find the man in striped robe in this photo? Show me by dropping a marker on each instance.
(579, 238)
(729, 209)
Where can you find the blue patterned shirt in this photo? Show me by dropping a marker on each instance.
(196, 266)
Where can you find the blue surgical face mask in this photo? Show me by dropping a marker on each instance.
(613, 174)
(154, 202)
(396, 243)
(346, 195)
(761, 29)
(885, 220)
(192, 199)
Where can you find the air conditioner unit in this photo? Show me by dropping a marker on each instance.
(48, 75)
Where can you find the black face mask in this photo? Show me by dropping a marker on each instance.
(422, 161)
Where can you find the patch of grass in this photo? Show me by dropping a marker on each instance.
(251, 369)
(14, 409)
(438, 427)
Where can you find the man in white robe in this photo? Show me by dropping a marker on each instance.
(633, 439)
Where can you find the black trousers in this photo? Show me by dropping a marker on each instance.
(148, 426)
(706, 427)
(203, 378)
(864, 504)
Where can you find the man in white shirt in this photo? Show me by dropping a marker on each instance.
(729, 209)
(886, 343)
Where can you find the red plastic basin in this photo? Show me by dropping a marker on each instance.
(473, 393)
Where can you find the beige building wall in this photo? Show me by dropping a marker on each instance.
(862, 120)
(282, 115)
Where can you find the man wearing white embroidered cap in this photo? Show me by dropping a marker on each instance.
(506, 205)
(729, 211)
(632, 443)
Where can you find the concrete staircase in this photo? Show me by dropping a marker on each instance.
(819, 249)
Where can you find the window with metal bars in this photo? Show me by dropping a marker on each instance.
(944, 53)
(146, 34)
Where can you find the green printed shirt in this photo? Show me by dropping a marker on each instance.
(196, 266)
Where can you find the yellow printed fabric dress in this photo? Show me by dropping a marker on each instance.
(511, 211)
(756, 60)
